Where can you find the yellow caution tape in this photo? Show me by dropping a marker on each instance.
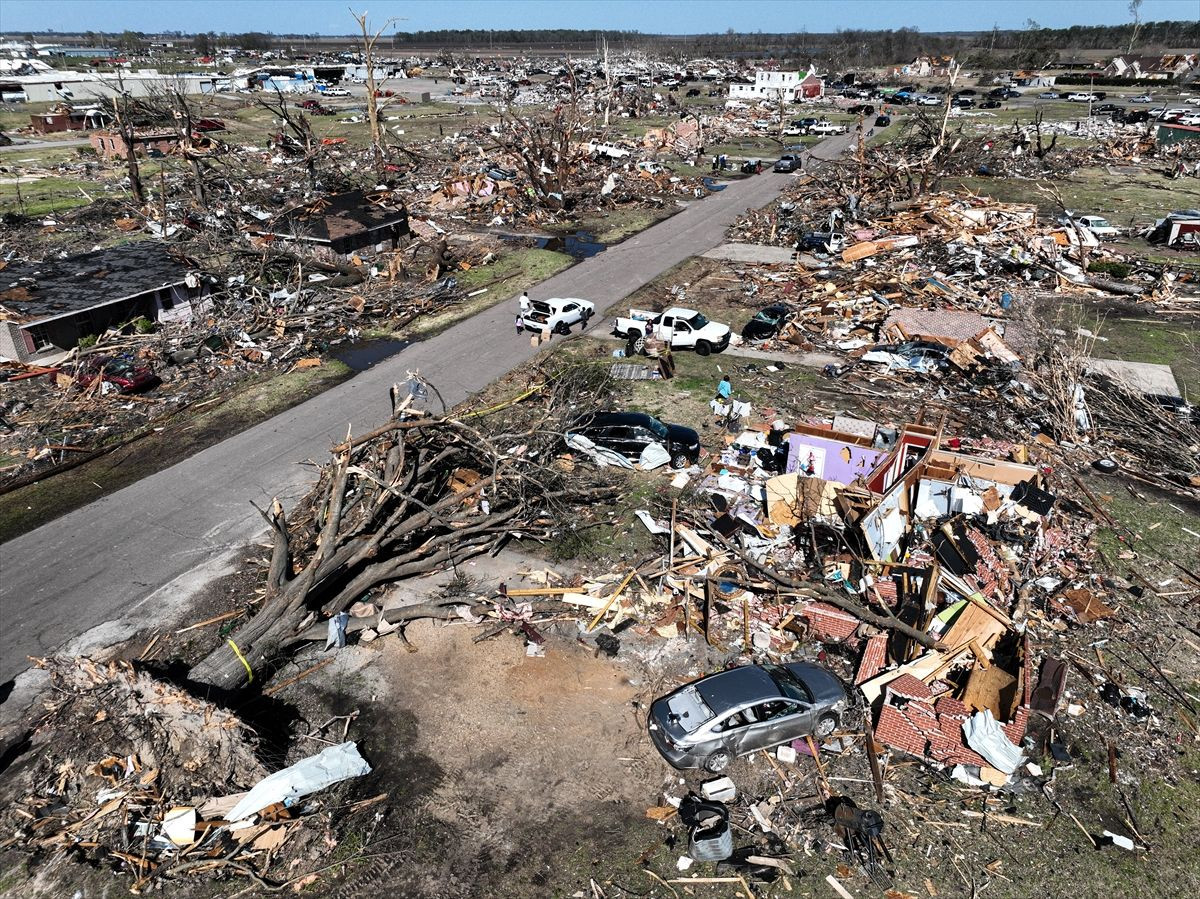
(241, 658)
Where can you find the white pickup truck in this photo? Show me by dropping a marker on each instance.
(680, 328)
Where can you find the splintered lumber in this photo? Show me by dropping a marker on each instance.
(608, 605)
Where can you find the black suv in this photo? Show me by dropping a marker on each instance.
(628, 433)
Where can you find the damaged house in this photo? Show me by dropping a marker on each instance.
(342, 223)
(51, 305)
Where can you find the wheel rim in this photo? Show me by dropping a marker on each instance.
(718, 762)
(825, 727)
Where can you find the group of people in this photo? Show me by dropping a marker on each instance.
(525, 305)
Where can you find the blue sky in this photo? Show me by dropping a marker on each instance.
(651, 16)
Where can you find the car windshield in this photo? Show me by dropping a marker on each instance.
(770, 316)
(659, 429)
(788, 683)
(1097, 222)
(697, 321)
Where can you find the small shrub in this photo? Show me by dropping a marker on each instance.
(1110, 267)
(85, 342)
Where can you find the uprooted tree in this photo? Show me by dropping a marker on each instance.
(546, 145)
(415, 495)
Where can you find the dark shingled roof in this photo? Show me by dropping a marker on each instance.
(40, 290)
(337, 216)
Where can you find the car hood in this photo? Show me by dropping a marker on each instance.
(825, 688)
(681, 435)
(713, 331)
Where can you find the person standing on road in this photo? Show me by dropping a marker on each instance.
(520, 324)
(524, 302)
(583, 318)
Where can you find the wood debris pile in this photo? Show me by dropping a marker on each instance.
(134, 774)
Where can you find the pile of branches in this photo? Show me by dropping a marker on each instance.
(1161, 444)
(115, 750)
(418, 494)
(1158, 442)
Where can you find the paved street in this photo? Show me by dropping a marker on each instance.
(93, 565)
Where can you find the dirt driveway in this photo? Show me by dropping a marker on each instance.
(507, 773)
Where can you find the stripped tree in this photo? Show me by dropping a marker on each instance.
(415, 495)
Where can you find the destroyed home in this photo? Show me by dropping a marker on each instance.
(342, 223)
(112, 144)
(51, 305)
(71, 118)
(887, 592)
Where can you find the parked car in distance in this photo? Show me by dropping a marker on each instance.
(121, 371)
(926, 100)
(336, 92)
(629, 433)
(1098, 226)
(766, 322)
(989, 104)
(883, 121)
(710, 722)
(558, 314)
(789, 162)
(1132, 116)
(1082, 97)
(827, 128)
(1049, 95)
(966, 92)
(681, 328)
(1009, 94)
(962, 103)
(1142, 98)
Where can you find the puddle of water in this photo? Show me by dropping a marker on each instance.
(363, 354)
(578, 244)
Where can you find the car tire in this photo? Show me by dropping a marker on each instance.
(562, 328)
(826, 725)
(718, 762)
(703, 347)
(680, 460)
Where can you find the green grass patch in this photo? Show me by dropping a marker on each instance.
(42, 196)
(1157, 526)
(619, 224)
(1146, 340)
(1124, 196)
(510, 274)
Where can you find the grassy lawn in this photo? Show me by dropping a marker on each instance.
(618, 224)
(1124, 197)
(506, 277)
(42, 196)
(1163, 342)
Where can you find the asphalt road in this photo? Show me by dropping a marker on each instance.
(88, 567)
(28, 145)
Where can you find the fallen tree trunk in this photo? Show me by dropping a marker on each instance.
(417, 495)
